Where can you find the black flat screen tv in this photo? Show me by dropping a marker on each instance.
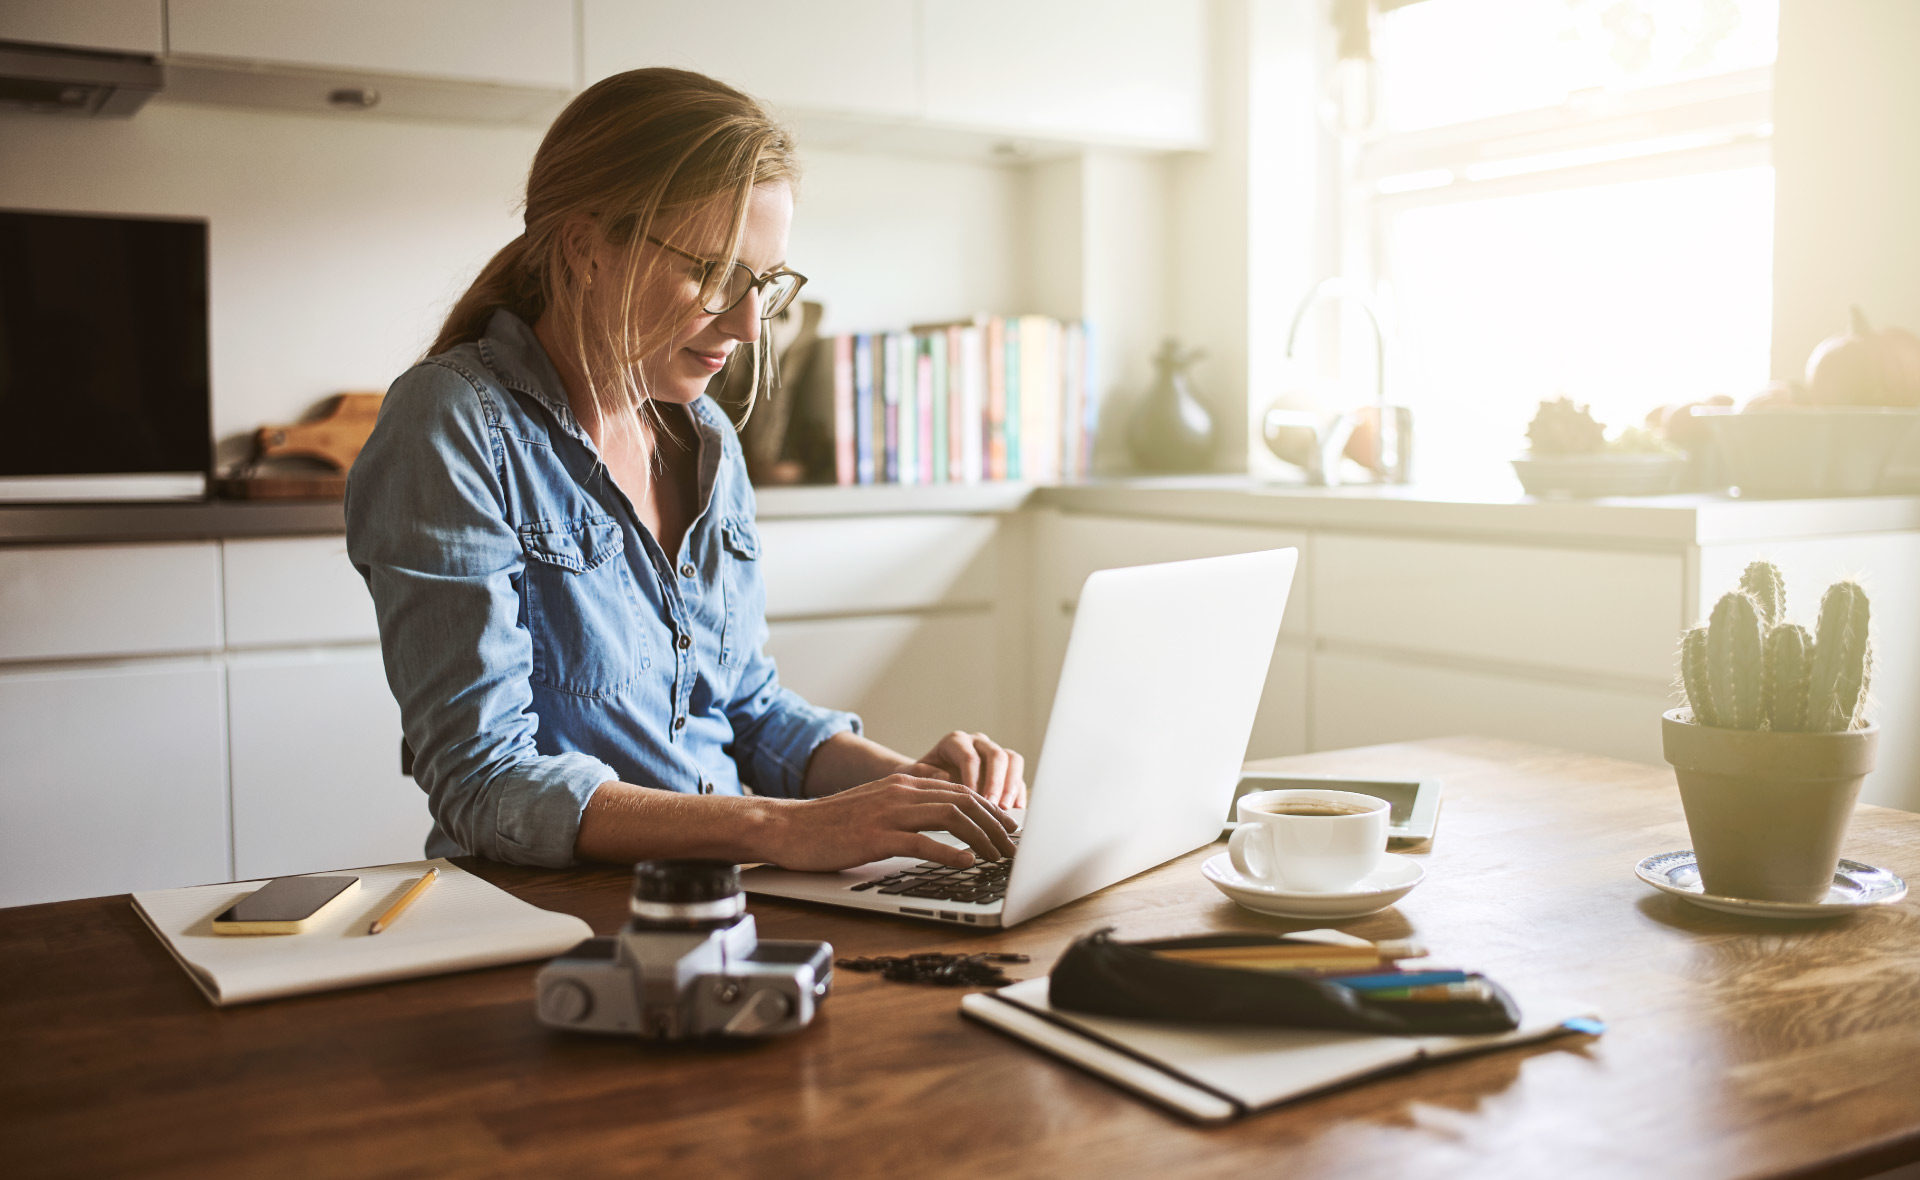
(104, 387)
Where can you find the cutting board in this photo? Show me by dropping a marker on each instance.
(334, 438)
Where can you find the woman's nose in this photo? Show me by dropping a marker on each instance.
(742, 320)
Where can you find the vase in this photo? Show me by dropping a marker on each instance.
(1170, 430)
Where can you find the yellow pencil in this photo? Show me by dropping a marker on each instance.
(406, 899)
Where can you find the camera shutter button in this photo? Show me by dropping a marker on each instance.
(564, 1001)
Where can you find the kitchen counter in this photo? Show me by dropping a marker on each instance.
(1492, 512)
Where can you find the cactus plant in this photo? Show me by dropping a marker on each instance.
(1693, 676)
(1750, 669)
(1761, 582)
(1789, 650)
(1734, 662)
(1837, 676)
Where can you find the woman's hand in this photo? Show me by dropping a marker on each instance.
(980, 764)
(885, 818)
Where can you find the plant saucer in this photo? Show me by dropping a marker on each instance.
(1856, 886)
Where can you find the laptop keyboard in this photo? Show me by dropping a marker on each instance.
(982, 882)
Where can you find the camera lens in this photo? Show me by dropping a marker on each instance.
(686, 894)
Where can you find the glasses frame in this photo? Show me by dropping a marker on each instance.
(755, 283)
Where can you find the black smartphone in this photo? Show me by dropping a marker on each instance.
(284, 905)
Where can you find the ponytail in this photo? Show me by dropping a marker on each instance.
(507, 280)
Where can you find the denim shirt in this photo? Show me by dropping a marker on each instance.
(539, 640)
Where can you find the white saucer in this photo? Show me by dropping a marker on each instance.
(1855, 887)
(1395, 877)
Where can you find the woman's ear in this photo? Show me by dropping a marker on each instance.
(582, 246)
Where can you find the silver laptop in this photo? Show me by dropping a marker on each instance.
(1150, 725)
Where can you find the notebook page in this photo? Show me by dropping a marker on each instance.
(460, 922)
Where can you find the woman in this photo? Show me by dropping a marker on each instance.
(558, 533)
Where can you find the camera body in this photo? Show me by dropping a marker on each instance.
(689, 964)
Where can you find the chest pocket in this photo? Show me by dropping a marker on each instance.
(745, 594)
(582, 607)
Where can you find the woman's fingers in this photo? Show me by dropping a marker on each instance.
(928, 848)
(993, 767)
(1016, 795)
(957, 750)
(949, 817)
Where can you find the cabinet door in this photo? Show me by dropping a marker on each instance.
(1363, 700)
(1610, 614)
(289, 591)
(872, 565)
(515, 42)
(62, 601)
(837, 56)
(111, 779)
(1124, 71)
(316, 765)
(910, 677)
(114, 26)
(1072, 547)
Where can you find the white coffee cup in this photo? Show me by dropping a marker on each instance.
(1309, 841)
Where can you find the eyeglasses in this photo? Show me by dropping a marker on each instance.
(777, 287)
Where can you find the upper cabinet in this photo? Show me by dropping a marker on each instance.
(912, 75)
(503, 42)
(1123, 71)
(112, 26)
(855, 57)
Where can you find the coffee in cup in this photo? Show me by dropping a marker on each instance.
(1309, 841)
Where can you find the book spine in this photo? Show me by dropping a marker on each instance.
(942, 398)
(923, 415)
(844, 471)
(1016, 399)
(890, 408)
(971, 424)
(996, 419)
(1039, 399)
(906, 372)
(863, 407)
(1089, 424)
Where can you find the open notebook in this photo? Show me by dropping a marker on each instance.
(1217, 1073)
(459, 923)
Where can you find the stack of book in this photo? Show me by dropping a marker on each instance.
(993, 398)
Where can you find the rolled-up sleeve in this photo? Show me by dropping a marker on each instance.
(427, 528)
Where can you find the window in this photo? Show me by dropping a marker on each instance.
(1566, 196)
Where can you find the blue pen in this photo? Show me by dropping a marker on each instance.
(1399, 979)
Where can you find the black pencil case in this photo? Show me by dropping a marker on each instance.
(1102, 976)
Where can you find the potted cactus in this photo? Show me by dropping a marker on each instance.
(1772, 747)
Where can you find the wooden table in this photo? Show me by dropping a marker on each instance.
(1737, 1046)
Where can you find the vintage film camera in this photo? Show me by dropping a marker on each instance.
(689, 964)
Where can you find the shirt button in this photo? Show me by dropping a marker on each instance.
(685, 642)
(686, 571)
(679, 722)
(706, 788)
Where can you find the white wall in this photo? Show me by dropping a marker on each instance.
(1846, 152)
(338, 243)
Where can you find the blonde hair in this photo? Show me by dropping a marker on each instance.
(628, 151)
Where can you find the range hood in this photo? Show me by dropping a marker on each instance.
(74, 82)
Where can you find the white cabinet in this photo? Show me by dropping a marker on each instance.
(295, 590)
(111, 26)
(845, 56)
(912, 678)
(1069, 547)
(503, 42)
(316, 765)
(1131, 71)
(1580, 610)
(111, 779)
(872, 565)
(65, 601)
(1360, 700)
